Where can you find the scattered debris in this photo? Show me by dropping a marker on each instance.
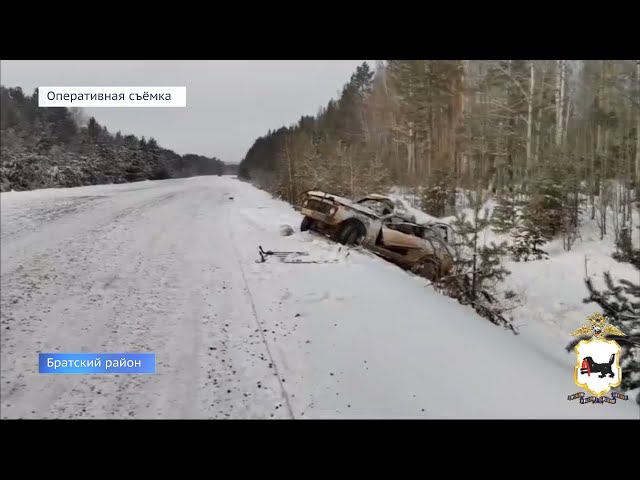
(286, 230)
(288, 257)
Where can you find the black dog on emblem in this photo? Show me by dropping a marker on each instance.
(589, 367)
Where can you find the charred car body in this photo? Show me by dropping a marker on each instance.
(384, 227)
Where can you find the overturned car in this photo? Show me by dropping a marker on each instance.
(384, 227)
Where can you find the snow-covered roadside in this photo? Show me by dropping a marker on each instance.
(172, 268)
(371, 340)
(551, 290)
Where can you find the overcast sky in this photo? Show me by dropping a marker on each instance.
(230, 103)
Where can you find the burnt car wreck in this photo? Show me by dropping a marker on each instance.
(382, 226)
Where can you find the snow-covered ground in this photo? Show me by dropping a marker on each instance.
(170, 267)
(551, 290)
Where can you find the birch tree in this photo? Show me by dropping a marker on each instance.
(560, 87)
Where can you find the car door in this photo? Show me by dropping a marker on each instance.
(394, 237)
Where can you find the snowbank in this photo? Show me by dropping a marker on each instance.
(378, 342)
(551, 291)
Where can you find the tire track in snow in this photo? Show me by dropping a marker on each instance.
(259, 324)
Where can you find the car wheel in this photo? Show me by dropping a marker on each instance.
(352, 233)
(307, 224)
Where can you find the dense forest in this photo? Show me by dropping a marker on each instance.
(550, 143)
(547, 141)
(511, 126)
(58, 147)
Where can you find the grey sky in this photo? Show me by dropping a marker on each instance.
(229, 102)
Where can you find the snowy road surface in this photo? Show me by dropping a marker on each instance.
(169, 267)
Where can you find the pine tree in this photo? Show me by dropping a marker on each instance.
(504, 218)
(621, 304)
(437, 194)
(546, 204)
(625, 251)
(554, 208)
(158, 170)
(93, 129)
(527, 240)
(478, 269)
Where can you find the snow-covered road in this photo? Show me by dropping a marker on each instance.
(169, 267)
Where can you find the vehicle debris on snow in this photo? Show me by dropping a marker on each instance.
(286, 230)
(290, 257)
(383, 226)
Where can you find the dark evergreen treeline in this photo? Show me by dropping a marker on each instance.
(56, 147)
